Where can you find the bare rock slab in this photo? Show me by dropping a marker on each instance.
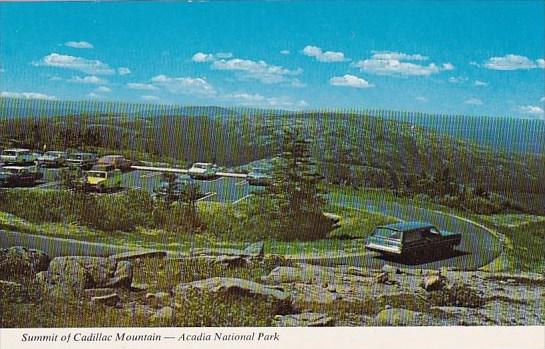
(133, 255)
(233, 286)
(304, 320)
(401, 317)
(109, 299)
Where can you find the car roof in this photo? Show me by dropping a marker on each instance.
(14, 167)
(17, 149)
(408, 226)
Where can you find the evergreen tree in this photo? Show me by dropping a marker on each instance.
(296, 196)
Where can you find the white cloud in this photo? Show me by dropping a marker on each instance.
(257, 100)
(349, 81)
(297, 83)
(141, 86)
(260, 70)
(480, 83)
(201, 57)
(399, 64)
(398, 56)
(542, 99)
(327, 56)
(90, 79)
(123, 71)
(185, 85)
(285, 52)
(421, 99)
(78, 44)
(457, 79)
(473, 101)
(103, 89)
(92, 95)
(532, 110)
(150, 98)
(27, 95)
(88, 66)
(513, 62)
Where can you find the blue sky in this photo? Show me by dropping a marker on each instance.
(455, 57)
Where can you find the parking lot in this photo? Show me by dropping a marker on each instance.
(222, 189)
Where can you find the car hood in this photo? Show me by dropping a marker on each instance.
(197, 170)
(95, 180)
(48, 157)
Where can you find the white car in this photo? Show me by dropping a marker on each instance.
(53, 159)
(17, 156)
(202, 170)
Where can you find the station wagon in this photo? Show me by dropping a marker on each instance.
(411, 239)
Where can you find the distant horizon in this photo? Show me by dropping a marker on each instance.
(452, 58)
(357, 110)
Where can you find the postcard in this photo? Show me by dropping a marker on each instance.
(272, 174)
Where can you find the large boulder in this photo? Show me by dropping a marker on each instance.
(433, 282)
(76, 273)
(233, 286)
(20, 260)
(13, 292)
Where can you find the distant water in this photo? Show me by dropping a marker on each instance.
(508, 134)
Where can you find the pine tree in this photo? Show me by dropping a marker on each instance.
(297, 198)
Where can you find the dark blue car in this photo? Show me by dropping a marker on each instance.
(411, 239)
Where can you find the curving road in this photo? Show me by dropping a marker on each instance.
(478, 247)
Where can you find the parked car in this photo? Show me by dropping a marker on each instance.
(202, 170)
(18, 176)
(53, 159)
(258, 176)
(173, 191)
(17, 156)
(411, 239)
(84, 161)
(101, 180)
(117, 161)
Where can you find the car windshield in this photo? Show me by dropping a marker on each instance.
(53, 153)
(97, 174)
(9, 153)
(12, 170)
(201, 166)
(387, 233)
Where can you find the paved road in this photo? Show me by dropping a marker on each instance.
(477, 249)
(478, 246)
(56, 247)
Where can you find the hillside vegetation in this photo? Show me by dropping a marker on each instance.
(351, 149)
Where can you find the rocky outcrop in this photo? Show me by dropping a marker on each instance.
(68, 275)
(19, 260)
(233, 286)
